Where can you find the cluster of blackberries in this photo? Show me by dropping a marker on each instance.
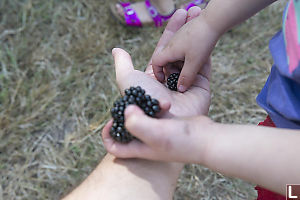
(172, 81)
(133, 95)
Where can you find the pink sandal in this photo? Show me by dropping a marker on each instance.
(132, 19)
(196, 3)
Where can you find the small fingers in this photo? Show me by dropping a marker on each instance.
(175, 23)
(193, 12)
(206, 69)
(142, 126)
(134, 149)
(188, 74)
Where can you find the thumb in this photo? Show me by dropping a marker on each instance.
(123, 62)
(140, 125)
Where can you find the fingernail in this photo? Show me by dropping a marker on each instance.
(113, 51)
(181, 88)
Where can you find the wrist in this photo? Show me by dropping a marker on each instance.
(203, 128)
(216, 28)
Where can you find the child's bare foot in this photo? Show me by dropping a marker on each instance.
(163, 7)
(201, 3)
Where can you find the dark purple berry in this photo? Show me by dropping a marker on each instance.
(156, 108)
(138, 88)
(121, 108)
(133, 95)
(120, 119)
(131, 100)
(151, 114)
(125, 98)
(134, 92)
(138, 99)
(154, 102)
(127, 92)
(172, 81)
(149, 103)
(140, 94)
(147, 110)
(147, 97)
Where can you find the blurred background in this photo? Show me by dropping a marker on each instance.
(57, 85)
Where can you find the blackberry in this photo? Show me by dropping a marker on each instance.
(172, 81)
(133, 95)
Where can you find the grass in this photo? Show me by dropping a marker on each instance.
(57, 84)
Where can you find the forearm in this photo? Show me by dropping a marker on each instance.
(266, 156)
(129, 179)
(222, 15)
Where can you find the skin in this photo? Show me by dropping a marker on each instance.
(131, 179)
(195, 41)
(265, 156)
(164, 7)
(174, 105)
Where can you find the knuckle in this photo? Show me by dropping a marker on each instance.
(130, 123)
(156, 59)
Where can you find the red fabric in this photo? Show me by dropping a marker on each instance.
(264, 194)
(267, 122)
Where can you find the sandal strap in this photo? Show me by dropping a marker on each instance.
(155, 15)
(130, 15)
(194, 3)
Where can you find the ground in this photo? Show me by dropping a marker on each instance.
(57, 85)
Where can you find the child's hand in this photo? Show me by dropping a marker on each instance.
(175, 140)
(192, 44)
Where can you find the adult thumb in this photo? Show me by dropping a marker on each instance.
(123, 62)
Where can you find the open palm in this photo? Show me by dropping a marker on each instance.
(193, 102)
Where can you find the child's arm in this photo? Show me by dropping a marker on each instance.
(223, 15)
(194, 42)
(268, 157)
